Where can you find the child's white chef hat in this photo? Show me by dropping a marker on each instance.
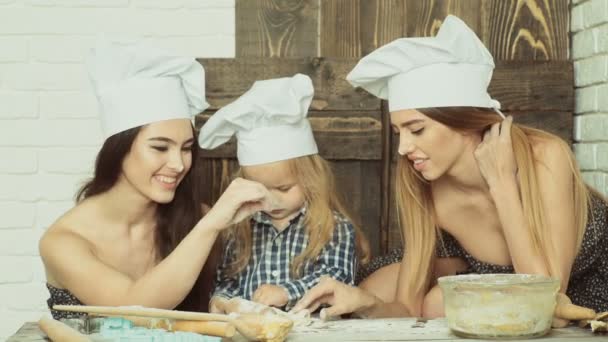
(269, 122)
(136, 84)
(453, 68)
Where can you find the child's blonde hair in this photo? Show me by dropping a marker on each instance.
(315, 177)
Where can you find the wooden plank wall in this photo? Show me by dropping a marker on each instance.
(324, 39)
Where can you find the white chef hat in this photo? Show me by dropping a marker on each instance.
(136, 84)
(453, 68)
(269, 122)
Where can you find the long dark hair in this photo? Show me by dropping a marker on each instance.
(174, 219)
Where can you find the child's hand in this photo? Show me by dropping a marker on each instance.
(217, 305)
(271, 295)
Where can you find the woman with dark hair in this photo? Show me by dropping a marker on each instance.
(475, 192)
(137, 235)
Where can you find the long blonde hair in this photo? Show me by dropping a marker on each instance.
(415, 203)
(314, 175)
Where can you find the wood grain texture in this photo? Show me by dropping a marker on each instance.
(354, 28)
(387, 181)
(350, 29)
(394, 233)
(340, 28)
(227, 79)
(425, 17)
(526, 29)
(382, 21)
(518, 85)
(558, 123)
(276, 28)
(359, 185)
(339, 136)
(511, 29)
(533, 86)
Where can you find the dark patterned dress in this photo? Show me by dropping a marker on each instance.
(62, 297)
(588, 284)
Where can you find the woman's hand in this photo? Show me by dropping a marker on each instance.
(494, 154)
(240, 200)
(341, 298)
(271, 295)
(565, 312)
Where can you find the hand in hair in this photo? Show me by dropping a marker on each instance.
(494, 154)
(271, 295)
(240, 200)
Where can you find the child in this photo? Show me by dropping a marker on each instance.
(276, 256)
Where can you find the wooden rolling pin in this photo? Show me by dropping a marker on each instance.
(252, 326)
(219, 329)
(60, 332)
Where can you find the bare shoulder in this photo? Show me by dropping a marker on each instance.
(63, 243)
(555, 170)
(552, 155)
(65, 235)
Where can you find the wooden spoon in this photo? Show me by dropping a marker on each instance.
(252, 326)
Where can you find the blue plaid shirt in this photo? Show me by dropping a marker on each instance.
(273, 252)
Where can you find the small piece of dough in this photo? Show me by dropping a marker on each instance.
(325, 317)
(243, 306)
(599, 326)
(603, 316)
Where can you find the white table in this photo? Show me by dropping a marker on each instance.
(396, 329)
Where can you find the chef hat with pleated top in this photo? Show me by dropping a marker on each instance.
(269, 122)
(452, 69)
(136, 84)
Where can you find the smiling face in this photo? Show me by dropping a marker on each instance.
(279, 179)
(432, 148)
(159, 158)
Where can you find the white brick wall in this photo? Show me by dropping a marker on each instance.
(44, 93)
(18, 104)
(589, 26)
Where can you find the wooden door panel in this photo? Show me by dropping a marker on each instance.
(324, 39)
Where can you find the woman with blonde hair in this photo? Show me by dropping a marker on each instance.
(475, 192)
(277, 255)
